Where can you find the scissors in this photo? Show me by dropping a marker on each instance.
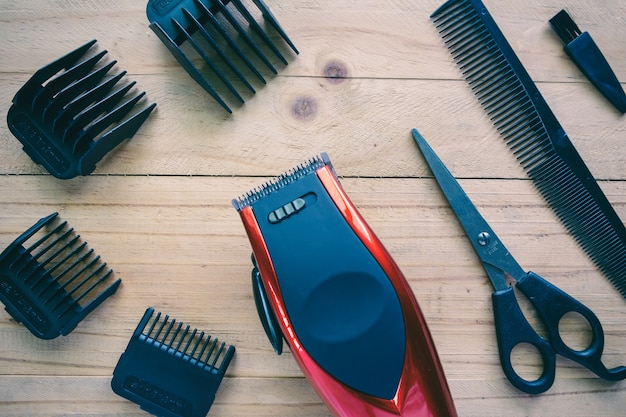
(552, 303)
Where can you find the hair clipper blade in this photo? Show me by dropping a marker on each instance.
(49, 279)
(169, 369)
(346, 311)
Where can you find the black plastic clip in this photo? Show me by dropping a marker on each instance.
(70, 113)
(581, 49)
(220, 33)
(170, 371)
(264, 309)
(49, 278)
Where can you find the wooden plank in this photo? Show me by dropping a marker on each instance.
(364, 117)
(288, 396)
(363, 124)
(372, 39)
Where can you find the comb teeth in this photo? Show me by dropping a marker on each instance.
(282, 180)
(530, 129)
(49, 278)
(170, 369)
(598, 236)
(220, 35)
(73, 111)
(189, 345)
(494, 82)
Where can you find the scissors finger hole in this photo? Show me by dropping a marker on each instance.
(575, 331)
(526, 361)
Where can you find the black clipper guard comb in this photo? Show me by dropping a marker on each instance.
(220, 35)
(50, 280)
(71, 113)
(584, 52)
(171, 371)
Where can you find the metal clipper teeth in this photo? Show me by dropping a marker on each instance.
(171, 370)
(276, 183)
(69, 114)
(49, 278)
(218, 33)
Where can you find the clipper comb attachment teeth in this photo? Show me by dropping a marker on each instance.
(169, 369)
(49, 278)
(224, 35)
(72, 112)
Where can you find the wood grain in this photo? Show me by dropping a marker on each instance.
(157, 209)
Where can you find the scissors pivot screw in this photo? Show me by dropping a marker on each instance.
(483, 238)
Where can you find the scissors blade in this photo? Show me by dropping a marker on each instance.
(488, 247)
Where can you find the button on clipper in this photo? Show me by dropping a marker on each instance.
(285, 211)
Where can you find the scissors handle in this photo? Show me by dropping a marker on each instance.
(552, 303)
(512, 328)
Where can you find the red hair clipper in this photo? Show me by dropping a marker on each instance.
(324, 282)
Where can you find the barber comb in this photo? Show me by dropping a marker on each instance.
(50, 280)
(169, 369)
(222, 34)
(531, 130)
(72, 112)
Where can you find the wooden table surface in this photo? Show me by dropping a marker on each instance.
(158, 208)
